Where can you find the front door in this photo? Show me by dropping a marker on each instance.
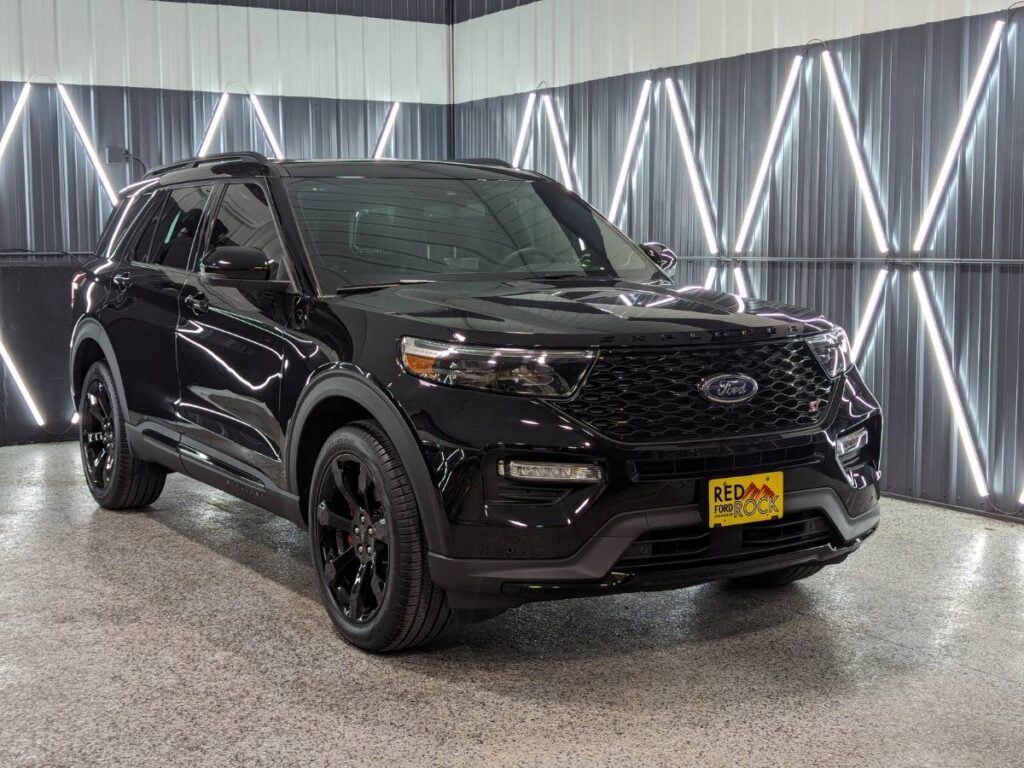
(230, 347)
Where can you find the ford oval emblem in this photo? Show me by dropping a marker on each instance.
(728, 388)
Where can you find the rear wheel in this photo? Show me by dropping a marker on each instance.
(778, 578)
(367, 544)
(116, 478)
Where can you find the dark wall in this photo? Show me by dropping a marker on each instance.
(434, 11)
(814, 245)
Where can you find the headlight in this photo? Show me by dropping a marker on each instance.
(541, 373)
(833, 351)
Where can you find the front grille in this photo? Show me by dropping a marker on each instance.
(651, 396)
(676, 549)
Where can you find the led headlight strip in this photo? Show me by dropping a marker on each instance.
(966, 116)
(949, 382)
(90, 150)
(386, 131)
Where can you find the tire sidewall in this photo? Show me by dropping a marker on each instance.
(99, 371)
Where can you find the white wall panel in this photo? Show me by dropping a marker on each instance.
(201, 47)
(563, 42)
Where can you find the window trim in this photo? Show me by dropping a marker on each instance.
(165, 193)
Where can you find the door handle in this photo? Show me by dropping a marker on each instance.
(198, 303)
(122, 279)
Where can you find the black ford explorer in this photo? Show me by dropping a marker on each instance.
(471, 389)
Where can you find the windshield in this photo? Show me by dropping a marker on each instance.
(368, 231)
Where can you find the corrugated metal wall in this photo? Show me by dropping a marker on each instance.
(814, 245)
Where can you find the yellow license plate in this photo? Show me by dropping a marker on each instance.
(745, 499)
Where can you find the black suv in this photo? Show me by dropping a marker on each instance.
(471, 389)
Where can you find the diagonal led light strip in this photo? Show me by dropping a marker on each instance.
(524, 130)
(265, 124)
(1021, 499)
(856, 154)
(12, 123)
(90, 150)
(627, 158)
(20, 383)
(949, 381)
(386, 131)
(712, 278)
(780, 122)
(966, 118)
(561, 152)
(741, 281)
(867, 320)
(696, 180)
(211, 129)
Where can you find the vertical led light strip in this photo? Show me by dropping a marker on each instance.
(783, 111)
(265, 124)
(867, 321)
(949, 381)
(386, 131)
(561, 150)
(524, 130)
(966, 117)
(696, 180)
(20, 383)
(211, 129)
(627, 158)
(856, 155)
(90, 150)
(741, 281)
(12, 123)
(711, 279)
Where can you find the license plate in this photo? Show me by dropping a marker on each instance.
(744, 499)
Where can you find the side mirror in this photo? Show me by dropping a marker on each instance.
(661, 255)
(235, 262)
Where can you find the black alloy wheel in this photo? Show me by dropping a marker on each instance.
(353, 537)
(97, 435)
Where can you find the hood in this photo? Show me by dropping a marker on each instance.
(584, 311)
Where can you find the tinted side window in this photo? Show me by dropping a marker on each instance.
(145, 227)
(244, 218)
(178, 225)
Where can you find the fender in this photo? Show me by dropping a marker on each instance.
(348, 381)
(90, 328)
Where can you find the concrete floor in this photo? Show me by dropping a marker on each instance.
(190, 634)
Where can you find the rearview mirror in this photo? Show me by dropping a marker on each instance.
(235, 262)
(661, 255)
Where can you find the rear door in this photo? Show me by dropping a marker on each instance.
(142, 313)
(230, 347)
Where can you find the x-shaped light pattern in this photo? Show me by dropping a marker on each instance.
(558, 136)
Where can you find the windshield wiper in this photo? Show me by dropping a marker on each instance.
(347, 289)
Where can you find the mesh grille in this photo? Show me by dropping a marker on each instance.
(652, 396)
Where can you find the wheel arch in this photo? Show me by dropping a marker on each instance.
(342, 395)
(89, 344)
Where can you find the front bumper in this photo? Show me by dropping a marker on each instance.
(493, 583)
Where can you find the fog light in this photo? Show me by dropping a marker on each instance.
(851, 443)
(550, 472)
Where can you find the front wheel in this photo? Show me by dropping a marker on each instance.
(367, 544)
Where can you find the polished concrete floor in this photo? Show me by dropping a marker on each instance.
(190, 634)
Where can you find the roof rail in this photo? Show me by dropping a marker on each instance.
(195, 162)
(484, 161)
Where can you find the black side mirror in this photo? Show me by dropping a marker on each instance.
(235, 262)
(661, 255)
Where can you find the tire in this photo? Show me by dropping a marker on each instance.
(116, 478)
(380, 597)
(777, 578)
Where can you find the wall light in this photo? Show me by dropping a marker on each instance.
(627, 158)
(741, 281)
(90, 150)
(696, 181)
(966, 116)
(867, 320)
(1021, 499)
(20, 383)
(783, 111)
(211, 129)
(386, 131)
(12, 123)
(712, 278)
(561, 150)
(265, 124)
(524, 129)
(949, 381)
(856, 155)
